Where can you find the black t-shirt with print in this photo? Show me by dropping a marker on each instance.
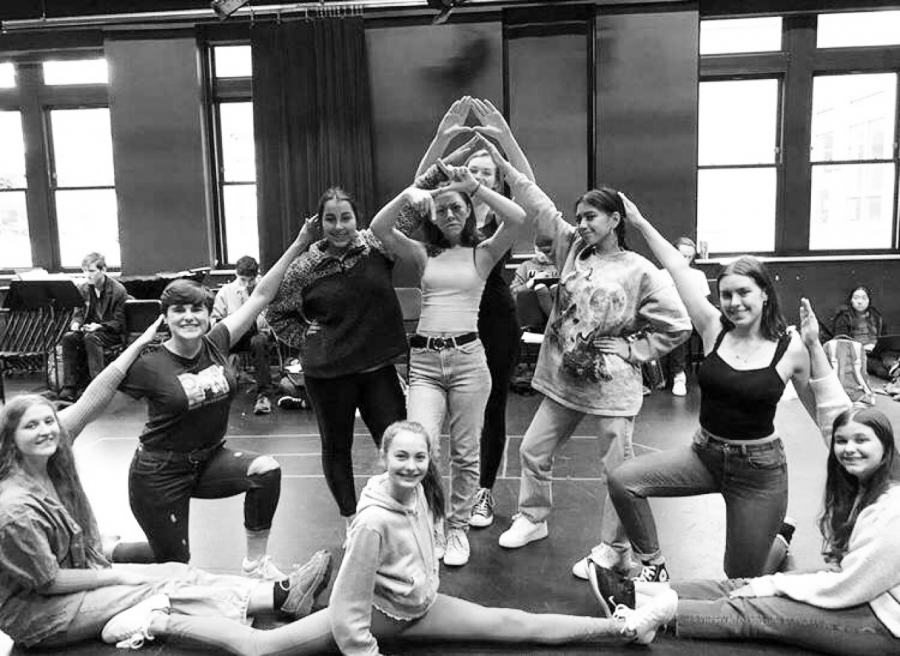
(188, 399)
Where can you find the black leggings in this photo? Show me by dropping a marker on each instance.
(380, 400)
(500, 335)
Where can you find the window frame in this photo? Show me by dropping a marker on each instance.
(35, 100)
(222, 91)
(799, 63)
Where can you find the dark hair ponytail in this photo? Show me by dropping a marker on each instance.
(431, 483)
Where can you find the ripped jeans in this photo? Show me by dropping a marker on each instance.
(162, 483)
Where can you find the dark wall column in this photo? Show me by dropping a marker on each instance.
(156, 108)
(646, 106)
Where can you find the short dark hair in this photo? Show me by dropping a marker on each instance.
(184, 292)
(247, 266)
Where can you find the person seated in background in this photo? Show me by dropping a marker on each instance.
(533, 275)
(99, 325)
(676, 361)
(258, 340)
(862, 322)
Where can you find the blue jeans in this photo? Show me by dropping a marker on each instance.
(752, 478)
(552, 426)
(454, 382)
(162, 483)
(706, 612)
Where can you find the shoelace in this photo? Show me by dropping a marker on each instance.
(649, 574)
(454, 541)
(483, 504)
(622, 613)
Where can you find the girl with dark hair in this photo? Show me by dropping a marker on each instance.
(189, 384)
(613, 311)
(851, 608)
(448, 371)
(338, 306)
(498, 325)
(749, 359)
(861, 321)
(57, 587)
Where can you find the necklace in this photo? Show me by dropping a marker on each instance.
(746, 357)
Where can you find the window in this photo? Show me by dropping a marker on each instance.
(855, 29)
(59, 203)
(15, 243)
(235, 153)
(84, 186)
(738, 35)
(737, 180)
(798, 145)
(853, 166)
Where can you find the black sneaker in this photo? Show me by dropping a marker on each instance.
(653, 574)
(291, 403)
(610, 587)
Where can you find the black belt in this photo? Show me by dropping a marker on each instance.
(438, 343)
(196, 456)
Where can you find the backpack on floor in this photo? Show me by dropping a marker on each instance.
(848, 359)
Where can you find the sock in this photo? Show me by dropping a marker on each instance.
(257, 543)
(280, 593)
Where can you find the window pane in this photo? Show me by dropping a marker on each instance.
(12, 154)
(738, 121)
(82, 147)
(851, 206)
(241, 232)
(15, 244)
(740, 35)
(238, 153)
(233, 61)
(7, 75)
(853, 117)
(76, 71)
(865, 28)
(736, 210)
(87, 220)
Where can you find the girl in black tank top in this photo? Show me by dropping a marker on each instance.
(735, 452)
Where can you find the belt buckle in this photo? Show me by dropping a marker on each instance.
(438, 343)
(191, 455)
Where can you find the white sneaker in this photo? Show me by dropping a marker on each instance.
(483, 511)
(263, 569)
(679, 384)
(605, 556)
(522, 531)
(130, 629)
(640, 625)
(457, 551)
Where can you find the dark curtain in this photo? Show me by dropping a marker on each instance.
(313, 122)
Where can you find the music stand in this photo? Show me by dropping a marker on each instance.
(33, 294)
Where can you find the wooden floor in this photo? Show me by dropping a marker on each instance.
(535, 578)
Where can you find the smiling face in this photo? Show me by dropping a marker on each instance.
(595, 226)
(450, 215)
(338, 223)
(741, 299)
(860, 300)
(687, 252)
(407, 462)
(37, 435)
(187, 321)
(858, 449)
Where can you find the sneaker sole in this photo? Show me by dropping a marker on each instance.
(595, 588)
(479, 521)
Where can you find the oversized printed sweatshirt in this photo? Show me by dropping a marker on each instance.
(389, 564)
(599, 295)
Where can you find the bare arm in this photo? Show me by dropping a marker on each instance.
(494, 125)
(453, 123)
(384, 225)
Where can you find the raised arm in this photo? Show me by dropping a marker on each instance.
(384, 225)
(704, 315)
(240, 321)
(453, 124)
(494, 125)
(103, 388)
